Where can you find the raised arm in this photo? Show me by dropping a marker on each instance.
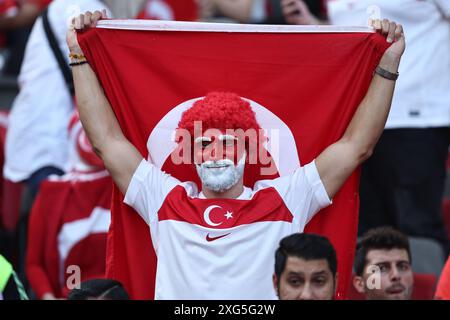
(120, 157)
(336, 163)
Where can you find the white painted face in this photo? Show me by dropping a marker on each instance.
(220, 175)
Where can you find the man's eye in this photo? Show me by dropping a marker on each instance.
(205, 143)
(319, 281)
(295, 282)
(383, 268)
(404, 266)
(228, 142)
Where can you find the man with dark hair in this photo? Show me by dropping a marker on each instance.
(383, 265)
(99, 289)
(305, 268)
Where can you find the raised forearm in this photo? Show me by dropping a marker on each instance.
(339, 160)
(370, 118)
(120, 157)
(96, 114)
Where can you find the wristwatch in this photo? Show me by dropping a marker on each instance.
(386, 74)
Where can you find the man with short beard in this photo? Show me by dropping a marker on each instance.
(383, 265)
(219, 243)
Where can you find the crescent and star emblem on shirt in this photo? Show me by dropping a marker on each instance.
(207, 218)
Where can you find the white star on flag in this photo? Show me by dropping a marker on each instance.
(229, 215)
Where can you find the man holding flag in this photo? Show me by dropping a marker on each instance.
(199, 255)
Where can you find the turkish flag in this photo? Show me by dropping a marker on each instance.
(305, 81)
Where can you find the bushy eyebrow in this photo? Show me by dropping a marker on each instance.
(315, 274)
(223, 137)
(293, 273)
(389, 262)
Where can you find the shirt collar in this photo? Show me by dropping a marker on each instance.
(245, 195)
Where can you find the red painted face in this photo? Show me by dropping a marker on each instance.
(216, 145)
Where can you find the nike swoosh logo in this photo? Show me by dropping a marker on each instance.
(209, 239)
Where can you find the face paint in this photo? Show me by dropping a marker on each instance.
(220, 175)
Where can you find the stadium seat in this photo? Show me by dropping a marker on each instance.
(427, 256)
(424, 287)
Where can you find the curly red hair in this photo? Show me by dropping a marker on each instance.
(220, 110)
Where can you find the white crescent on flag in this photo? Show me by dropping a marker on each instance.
(207, 218)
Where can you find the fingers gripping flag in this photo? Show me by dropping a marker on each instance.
(306, 82)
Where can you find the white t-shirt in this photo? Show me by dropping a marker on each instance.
(37, 134)
(422, 93)
(221, 248)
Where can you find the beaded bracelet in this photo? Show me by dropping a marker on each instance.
(76, 56)
(78, 63)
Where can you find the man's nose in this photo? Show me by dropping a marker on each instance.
(216, 152)
(395, 274)
(306, 293)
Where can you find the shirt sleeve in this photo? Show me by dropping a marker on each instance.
(443, 286)
(148, 188)
(302, 192)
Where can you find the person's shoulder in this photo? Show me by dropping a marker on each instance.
(191, 188)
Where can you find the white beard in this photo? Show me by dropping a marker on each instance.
(220, 175)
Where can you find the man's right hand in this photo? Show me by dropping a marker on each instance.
(79, 24)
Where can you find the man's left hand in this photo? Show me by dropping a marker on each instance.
(394, 34)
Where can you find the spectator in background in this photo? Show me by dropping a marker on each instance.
(16, 20)
(267, 11)
(37, 142)
(305, 268)
(403, 182)
(69, 222)
(302, 12)
(21, 13)
(443, 287)
(8, 8)
(99, 289)
(383, 265)
(37, 139)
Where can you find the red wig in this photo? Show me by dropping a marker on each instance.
(220, 110)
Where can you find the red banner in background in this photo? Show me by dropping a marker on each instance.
(312, 82)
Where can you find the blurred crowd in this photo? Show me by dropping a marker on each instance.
(50, 169)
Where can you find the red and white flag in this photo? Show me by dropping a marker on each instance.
(304, 83)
